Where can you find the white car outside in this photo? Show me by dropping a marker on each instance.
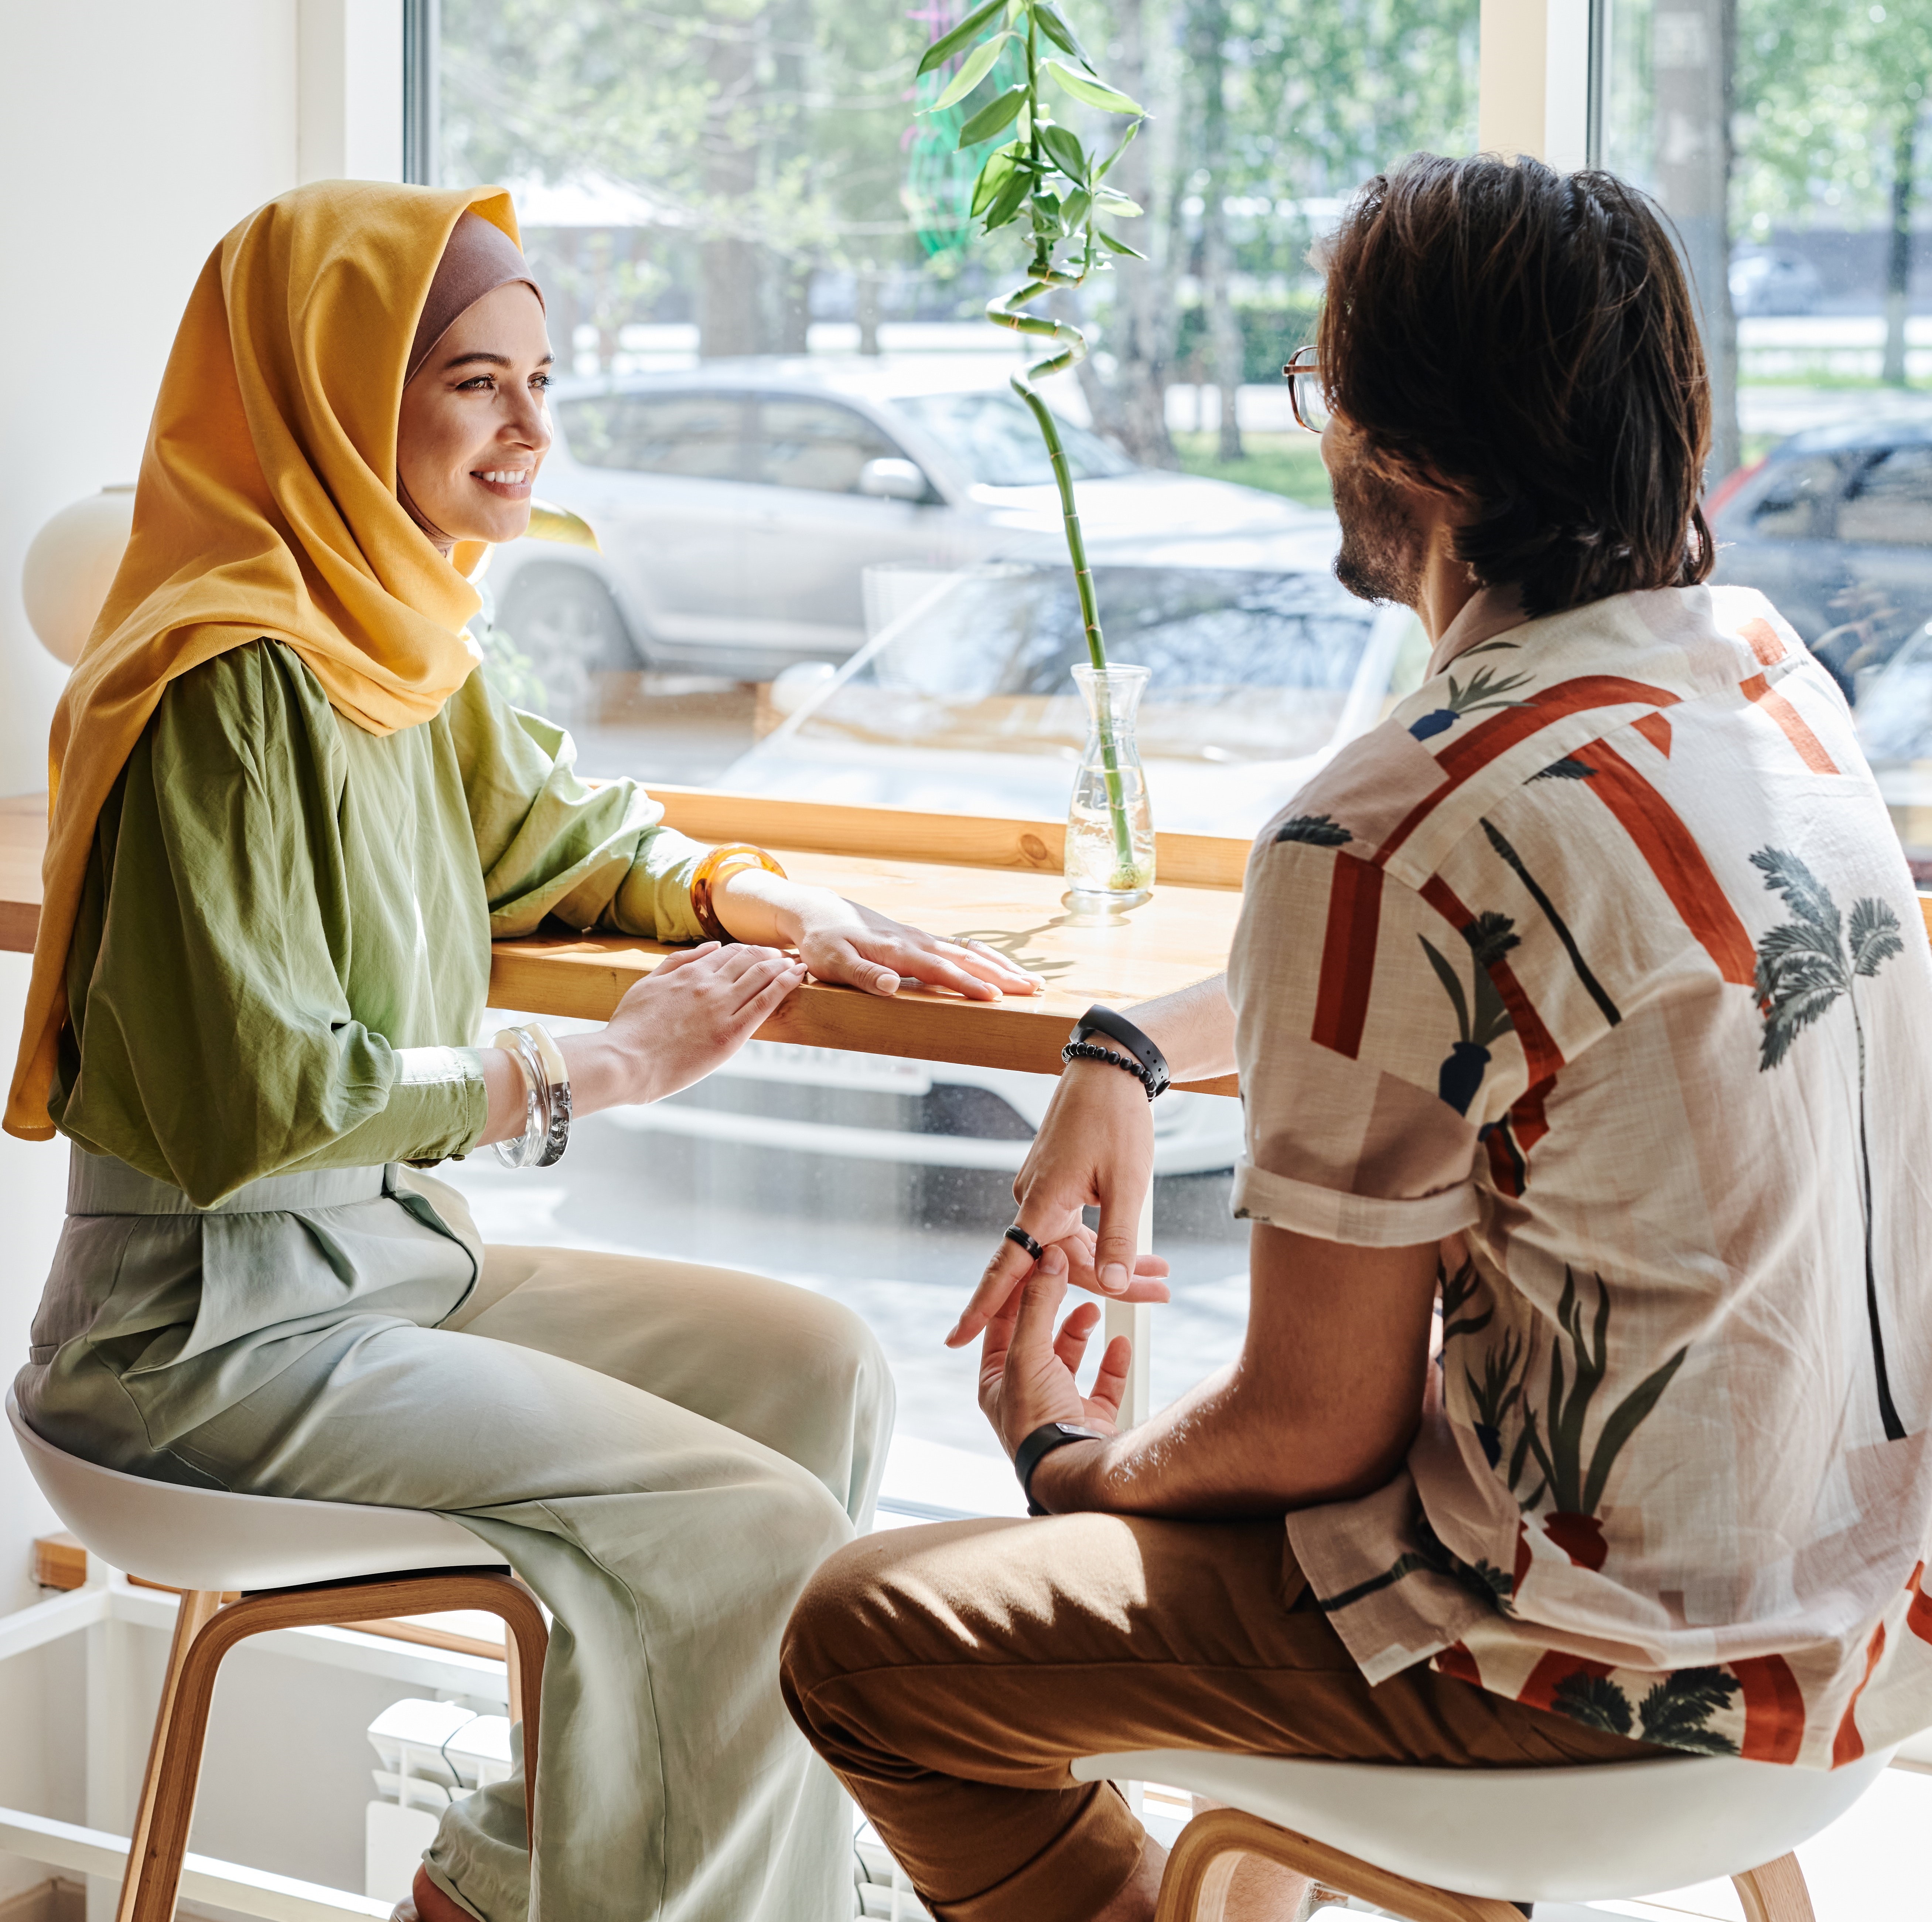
(739, 505)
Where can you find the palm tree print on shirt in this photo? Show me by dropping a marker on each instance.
(1481, 1016)
(1802, 968)
(1676, 1711)
(1318, 830)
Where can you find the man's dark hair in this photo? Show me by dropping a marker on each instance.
(1527, 336)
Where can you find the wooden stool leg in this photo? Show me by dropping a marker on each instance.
(197, 1609)
(526, 1642)
(205, 1632)
(1191, 1881)
(1775, 1893)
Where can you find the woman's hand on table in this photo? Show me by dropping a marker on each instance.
(693, 1012)
(842, 940)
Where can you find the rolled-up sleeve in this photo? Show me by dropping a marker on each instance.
(1374, 1048)
(552, 843)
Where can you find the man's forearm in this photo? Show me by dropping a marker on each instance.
(1193, 1027)
(1322, 1405)
(1222, 1451)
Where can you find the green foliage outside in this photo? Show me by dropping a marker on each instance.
(1289, 464)
(1831, 98)
(1269, 334)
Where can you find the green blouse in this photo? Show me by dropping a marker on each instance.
(283, 949)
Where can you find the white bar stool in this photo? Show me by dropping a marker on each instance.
(1442, 1844)
(249, 1563)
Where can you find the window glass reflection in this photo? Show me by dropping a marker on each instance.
(1803, 126)
(832, 564)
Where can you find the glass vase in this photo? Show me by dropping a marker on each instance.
(1109, 826)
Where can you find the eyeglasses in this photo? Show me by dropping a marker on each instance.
(1306, 394)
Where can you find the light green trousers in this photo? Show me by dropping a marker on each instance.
(664, 1451)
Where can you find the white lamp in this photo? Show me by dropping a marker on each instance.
(71, 566)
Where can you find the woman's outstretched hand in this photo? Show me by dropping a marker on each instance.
(841, 941)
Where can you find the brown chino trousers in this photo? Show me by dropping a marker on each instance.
(950, 1673)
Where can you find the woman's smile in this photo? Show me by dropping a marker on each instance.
(506, 483)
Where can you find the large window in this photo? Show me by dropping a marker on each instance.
(1787, 143)
(832, 563)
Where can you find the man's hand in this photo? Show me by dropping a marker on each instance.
(1028, 1375)
(1094, 1150)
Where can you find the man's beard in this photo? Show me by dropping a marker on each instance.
(1382, 548)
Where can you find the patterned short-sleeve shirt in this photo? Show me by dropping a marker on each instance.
(1599, 961)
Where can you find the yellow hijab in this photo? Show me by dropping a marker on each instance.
(266, 506)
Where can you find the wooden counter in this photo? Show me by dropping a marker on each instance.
(999, 881)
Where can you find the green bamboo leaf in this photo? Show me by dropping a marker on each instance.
(1006, 203)
(1119, 204)
(1068, 155)
(993, 118)
(1073, 210)
(994, 175)
(1119, 246)
(967, 31)
(1105, 167)
(979, 65)
(1095, 93)
(1062, 35)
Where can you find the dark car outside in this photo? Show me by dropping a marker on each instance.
(1835, 526)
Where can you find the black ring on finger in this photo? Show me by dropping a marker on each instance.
(1020, 1238)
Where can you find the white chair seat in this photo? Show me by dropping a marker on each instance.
(1525, 1835)
(208, 1538)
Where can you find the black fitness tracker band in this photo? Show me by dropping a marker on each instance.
(1044, 1439)
(1143, 1061)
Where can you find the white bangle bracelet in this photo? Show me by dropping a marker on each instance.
(546, 1098)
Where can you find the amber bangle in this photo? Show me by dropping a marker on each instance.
(718, 866)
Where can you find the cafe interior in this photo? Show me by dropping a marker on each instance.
(796, 567)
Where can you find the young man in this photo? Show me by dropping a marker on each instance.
(1587, 996)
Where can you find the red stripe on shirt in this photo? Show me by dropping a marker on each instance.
(1918, 1617)
(1456, 1661)
(1488, 739)
(1764, 640)
(1773, 1708)
(1540, 1053)
(1655, 729)
(1675, 859)
(1347, 955)
(1850, 1744)
(1527, 1118)
(1810, 749)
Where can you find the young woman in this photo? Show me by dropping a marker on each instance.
(288, 817)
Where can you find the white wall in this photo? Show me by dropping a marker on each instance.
(133, 136)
